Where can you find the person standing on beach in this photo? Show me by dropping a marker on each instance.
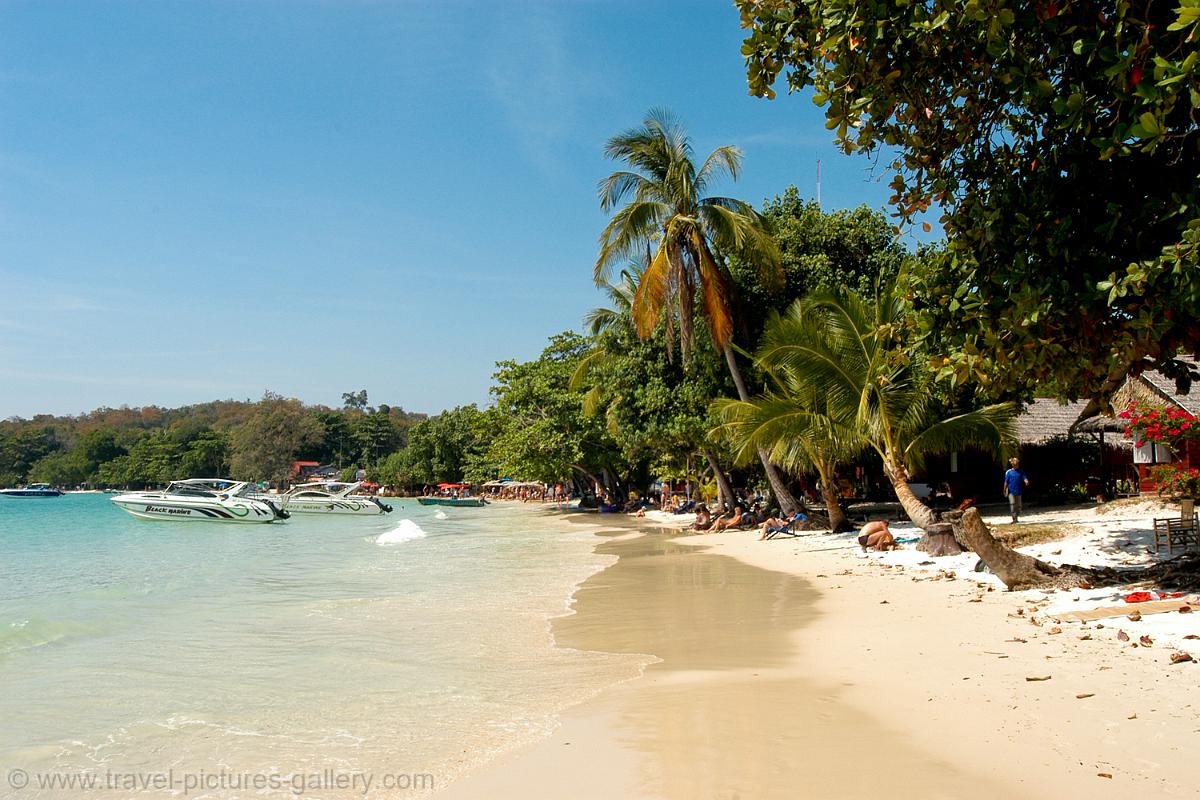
(1015, 482)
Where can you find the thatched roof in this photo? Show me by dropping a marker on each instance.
(1046, 417)
(1149, 387)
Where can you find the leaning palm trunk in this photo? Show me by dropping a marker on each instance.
(787, 503)
(724, 490)
(921, 515)
(1015, 570)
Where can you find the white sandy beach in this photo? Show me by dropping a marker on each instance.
(802, 667)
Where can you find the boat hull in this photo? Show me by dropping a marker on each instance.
(244, 512)
(31, 492)
(334, 505)
(460, 502)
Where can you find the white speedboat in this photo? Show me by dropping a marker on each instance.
(212, 499)
(32, 490)
(331, 497)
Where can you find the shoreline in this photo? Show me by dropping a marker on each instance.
(788, 664)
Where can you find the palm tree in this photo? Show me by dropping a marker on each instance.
(845, 350)
(797, 428)
(689, 234)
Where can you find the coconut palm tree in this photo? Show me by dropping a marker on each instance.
(797, 428)
(688, 235)
(844, 352)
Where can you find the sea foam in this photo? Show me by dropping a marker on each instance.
(405, 531)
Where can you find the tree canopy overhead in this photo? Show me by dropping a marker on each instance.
(1060, 140)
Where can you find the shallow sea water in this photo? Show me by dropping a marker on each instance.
(212, 660)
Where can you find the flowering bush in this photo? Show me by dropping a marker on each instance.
(1171, 427)
(1165, 426)
(1177, 482)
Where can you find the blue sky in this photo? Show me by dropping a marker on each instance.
(206, 200)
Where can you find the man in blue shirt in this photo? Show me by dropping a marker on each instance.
(1014, 486)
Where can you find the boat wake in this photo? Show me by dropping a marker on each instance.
(407, 530)
(441, 515)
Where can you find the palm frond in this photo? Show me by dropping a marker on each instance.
(991, 428)
(630, 227)
(714, 288)
(616, 186)
(725, 160)
(652, 293)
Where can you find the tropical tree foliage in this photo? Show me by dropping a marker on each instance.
(1059, 141)
(842, 362)
(543, 432)
(267, 443)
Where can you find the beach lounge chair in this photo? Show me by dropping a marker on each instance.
(788, 529)
(1176, 531)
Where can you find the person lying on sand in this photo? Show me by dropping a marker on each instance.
(877, 536)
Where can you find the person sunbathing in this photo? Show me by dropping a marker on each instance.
(732, 521)
(780, 523)
(875, 535)
(703, 519)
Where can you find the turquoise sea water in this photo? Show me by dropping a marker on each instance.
(182, 649)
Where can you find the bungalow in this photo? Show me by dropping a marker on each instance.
(1156, 389)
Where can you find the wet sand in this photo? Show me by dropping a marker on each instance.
(731, 710)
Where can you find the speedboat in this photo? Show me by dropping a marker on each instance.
(32, 490)
(213, 499)
(331, 497)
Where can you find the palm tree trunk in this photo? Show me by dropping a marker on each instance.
(787, 503)
(921, 515)
(838, 522)
(724, 490)
(1017, 570)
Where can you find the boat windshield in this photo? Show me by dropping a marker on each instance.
(323, 487)
(202, 487)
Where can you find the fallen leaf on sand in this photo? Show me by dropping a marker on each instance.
(1146, 641)
(1054, 630)
(1020, 612)
(1084, 585)
(1122, 636)
(819, 575)
(1085, 695)
(1180, 657)
(1132, 716)
(1085, 637)
(1038, 678)
(1135, 616)
(975, 600)
(1056, 552)
(1034, 621)
(1185, 609)
(1104, 774)
(1192, 636)
(1099, 625)
(1016, 639)
(883, 602)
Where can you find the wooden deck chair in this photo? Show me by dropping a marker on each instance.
(1176, 531)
